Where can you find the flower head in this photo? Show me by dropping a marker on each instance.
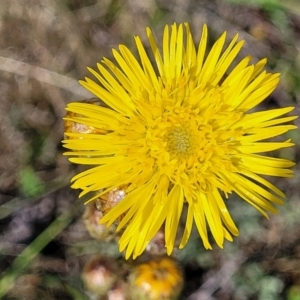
(159, 278)
(178, 133)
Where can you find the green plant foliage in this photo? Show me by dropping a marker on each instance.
(294, 293)
(30, 184)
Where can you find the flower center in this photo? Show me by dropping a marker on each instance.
(191, 148)
(180, 141)
(181, 133)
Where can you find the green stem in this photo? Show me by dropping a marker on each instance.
(29, 253)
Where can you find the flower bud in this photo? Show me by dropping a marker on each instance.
(108, 200)
(72, 126)
(118, 291)
(158, 279)
(91, 219)
(157, 245)
(99, 274)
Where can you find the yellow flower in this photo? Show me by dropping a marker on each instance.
(178, 133)
(160, 278)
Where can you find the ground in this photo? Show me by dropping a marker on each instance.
(45, 47)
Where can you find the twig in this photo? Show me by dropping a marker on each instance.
(43, 75)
